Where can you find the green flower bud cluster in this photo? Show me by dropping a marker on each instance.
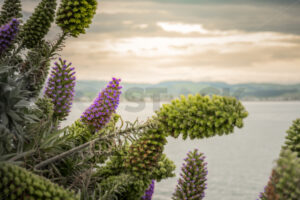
(45, 107)
(122, 187)
(10, 9)
(38, 25)
(145, 153)
(292, 140)
(19, 184)
(111, 177)
(136, 185)
(201, 116)
(165, 169)
(79, 131)
(84, 133)
(285, 180)
(74, 16)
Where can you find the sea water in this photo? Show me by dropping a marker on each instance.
(239, 165)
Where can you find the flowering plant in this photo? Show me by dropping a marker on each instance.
(99, 156)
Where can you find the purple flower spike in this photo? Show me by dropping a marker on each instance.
(192, 183)
(62, 96)
(149, 192)
(103, 106)
(8, 33)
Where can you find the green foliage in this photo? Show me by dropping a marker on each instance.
(135, 186)
(43, 112)
(144, 154)
(79, 131)
(201, 117)
(10, 9)
(13, 109)
(6, 142)
(75, 169)
(113, 167)
(83, 133)
(75, 16)
(108, 179)
(292, 140)
(123, 187)
(35, 68)
(113, 187)
(285, 180)
(19, 184)
(38, 25)
(135, 189)
(45, 108)
(143, 160)
(165, 169)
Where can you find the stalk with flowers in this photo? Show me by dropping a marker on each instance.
(8, 33)
(60, 89)
(99, 156)
(192, 183)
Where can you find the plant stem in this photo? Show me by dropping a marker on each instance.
(58, 43)
(21, 155)
(85, 145)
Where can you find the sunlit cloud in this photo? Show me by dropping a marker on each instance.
(175, 46)
(234, 58)
(153, 41)
(183, 28)
(142, 26)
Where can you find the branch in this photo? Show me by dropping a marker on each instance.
(64, 154)
(58, 44)
(85, 145)
(21, 155)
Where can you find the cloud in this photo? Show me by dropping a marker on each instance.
(221, 1)
(168, 46)
(183, 28)
(199, 40)
(249, 16)
(227, 56)
(180, 41)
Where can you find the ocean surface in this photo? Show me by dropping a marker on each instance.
(239, 164)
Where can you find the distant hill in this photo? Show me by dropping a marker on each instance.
(87, 90)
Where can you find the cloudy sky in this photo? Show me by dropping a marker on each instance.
(234, 41)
